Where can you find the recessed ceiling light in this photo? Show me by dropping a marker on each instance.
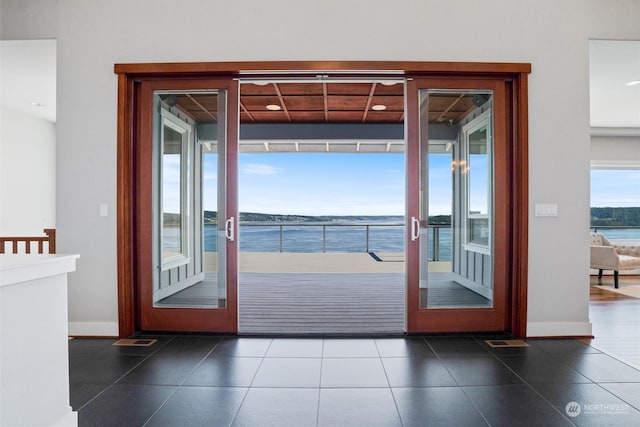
(273, 107)
(633, 83)
(379, 107)
(37, 104)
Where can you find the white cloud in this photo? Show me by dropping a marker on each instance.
(259, 169)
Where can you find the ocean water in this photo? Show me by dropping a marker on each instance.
(317, 237)
(323, 237)
(309, 238)
(625, 233)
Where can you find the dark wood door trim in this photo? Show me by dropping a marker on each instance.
(129, 76)
(126, 206)
(294, 68)
(519, 133)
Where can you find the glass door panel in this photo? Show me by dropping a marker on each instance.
(453, 219)
(186, 171)
(192, 240)
(456, 258)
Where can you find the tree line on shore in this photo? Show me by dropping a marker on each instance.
(625, 217)
(600, 217)
(211, 217)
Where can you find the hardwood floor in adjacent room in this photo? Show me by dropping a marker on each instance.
(616, 320)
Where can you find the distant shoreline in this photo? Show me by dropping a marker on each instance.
(600, 217)
(211, 217)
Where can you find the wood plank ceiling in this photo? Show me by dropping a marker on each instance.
(325, 102)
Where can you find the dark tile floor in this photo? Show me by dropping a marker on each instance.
(417, 381)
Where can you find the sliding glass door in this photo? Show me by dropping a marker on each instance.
(191, 238)
(458, 141)
(463, 142)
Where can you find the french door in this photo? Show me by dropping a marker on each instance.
(466, 186)
(186, 239)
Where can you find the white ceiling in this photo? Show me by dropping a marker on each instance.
(28, 80)
(28, 77)
(612, 64)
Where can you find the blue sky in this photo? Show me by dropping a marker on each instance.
(330, 184)
(367, 184)
(322, 183)
(615, 187)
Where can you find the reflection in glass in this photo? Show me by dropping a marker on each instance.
(187, 169)
(478, 161)
(456, 176)
(171, 192)
(478, 180)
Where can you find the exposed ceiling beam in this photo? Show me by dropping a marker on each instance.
(326, 101)
(282, 103)
(369, 101)
(441, 117)
(247, 112)
(207, 112)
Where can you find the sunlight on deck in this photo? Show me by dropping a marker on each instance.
(293, 262)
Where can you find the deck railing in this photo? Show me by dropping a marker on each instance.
(14, 242)
(369, 227)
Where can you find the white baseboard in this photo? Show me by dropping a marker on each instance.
(559, 329)
(534, 329)
(93, 329)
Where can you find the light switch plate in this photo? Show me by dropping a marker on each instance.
(547, 210)
(104, 209)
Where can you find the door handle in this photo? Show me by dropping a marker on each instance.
(229, 229)
(415, 229)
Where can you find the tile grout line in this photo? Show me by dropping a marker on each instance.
(386, 375)
(122, 376)
(460, 387)
(233, 420)
(182, 383)
(616, 396)
(530, 386)
(320, 383)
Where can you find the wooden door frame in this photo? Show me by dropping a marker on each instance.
(130, 75)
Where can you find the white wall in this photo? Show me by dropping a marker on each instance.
(552, 35)
(27, 174)
(615, 151)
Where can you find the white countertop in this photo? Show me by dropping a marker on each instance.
(18, 268)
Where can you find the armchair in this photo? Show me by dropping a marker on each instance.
(608, 256)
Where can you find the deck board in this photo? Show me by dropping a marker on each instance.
(331, 303)
(322, 303)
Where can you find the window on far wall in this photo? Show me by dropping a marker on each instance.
(615, 202)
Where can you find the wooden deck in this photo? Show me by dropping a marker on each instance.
(303, 294)
(321, 303)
